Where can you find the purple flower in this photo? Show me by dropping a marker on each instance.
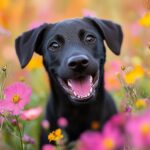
(27, 139)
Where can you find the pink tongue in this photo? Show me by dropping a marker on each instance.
(81, 86)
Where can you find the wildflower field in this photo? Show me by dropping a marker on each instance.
(24, 92)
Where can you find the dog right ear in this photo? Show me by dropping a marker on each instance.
(29, 42)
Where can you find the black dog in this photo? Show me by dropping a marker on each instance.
(74, 55)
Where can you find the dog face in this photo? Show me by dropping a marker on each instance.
(73, 52)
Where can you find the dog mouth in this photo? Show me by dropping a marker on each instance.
(82, 88)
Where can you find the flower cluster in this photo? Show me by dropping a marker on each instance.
(122, 131)
(109, 139)
(13, 100)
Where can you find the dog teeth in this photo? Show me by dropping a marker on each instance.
(88, 94)
(91, 79)
(78, 96)
(69, 84)
(75, 93)
(84, 96)
(91, 90)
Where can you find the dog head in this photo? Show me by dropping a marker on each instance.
(73, 52)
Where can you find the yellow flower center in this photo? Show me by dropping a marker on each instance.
(108, 144)
(16, 99)
(145, 129)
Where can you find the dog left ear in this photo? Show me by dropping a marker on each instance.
(27, 43)
(111, 31)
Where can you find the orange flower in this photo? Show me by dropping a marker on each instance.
(55, 135)
(95, 125)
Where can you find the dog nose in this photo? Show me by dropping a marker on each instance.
(79, 61)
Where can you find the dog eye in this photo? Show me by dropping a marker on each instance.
(90, 38)
(53, 46)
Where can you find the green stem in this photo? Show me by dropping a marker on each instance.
(3, 80)
(7, 121)
(20, 134)
(58, 146)
(130, 90)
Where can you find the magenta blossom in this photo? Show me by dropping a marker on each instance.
(48, 147)
(17, 96)
(138, 129)
(118, 121)
(62, 122)
(112, 138)
(89, 140)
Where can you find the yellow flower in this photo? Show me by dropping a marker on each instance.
(55, 135)
(4, 4)
(136, 73)
(145, 20)
(140, 103)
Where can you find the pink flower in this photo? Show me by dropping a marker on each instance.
(112, 138)
(2, 107)
(89, 140)
(31, 114)
(62, 122)
(118, 120)
(45, 124)
(48, 147)
(109, 139)
(17, 96)
(138, 129)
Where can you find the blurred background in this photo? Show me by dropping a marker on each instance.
(17, 16)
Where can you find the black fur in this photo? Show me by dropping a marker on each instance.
(61, 43)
